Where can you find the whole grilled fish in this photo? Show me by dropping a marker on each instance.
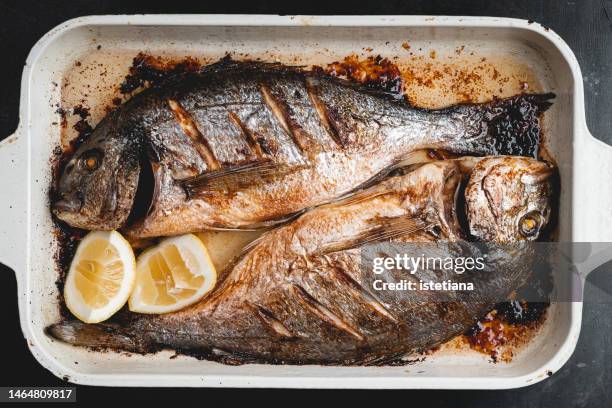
(300, 295)
(247, 144)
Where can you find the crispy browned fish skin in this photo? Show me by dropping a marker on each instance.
(300, 295)
(303, 139)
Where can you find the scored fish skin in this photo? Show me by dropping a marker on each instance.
(304, 138)
(299, 295)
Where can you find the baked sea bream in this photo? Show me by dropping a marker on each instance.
(242, 145)
(300, 294)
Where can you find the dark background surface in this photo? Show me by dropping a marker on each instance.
(586, 25)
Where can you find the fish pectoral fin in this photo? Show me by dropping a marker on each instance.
(378, 230)
(237, 177)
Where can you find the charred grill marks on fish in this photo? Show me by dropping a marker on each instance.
(254, 146)
(323, 313)
(362, 292)
(190, 128)
(271, 321)
(279, 112)
(322, 112)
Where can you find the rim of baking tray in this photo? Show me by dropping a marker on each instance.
(34, 341)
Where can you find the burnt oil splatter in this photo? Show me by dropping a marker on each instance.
(374, 72)
(512, 323)
(67, 237)
(148, 70)
(82, 126)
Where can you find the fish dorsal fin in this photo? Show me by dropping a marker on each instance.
(236, 178)
(228, 63)
(378, 230)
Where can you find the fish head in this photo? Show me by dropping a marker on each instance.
(508, 199)
(97, 186)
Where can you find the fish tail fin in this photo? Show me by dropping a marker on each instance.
(512, 124)
(105, 335)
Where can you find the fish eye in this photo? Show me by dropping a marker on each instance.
(530, 223)
(91, 159)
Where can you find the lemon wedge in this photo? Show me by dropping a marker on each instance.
(101, 276)
(172, 275)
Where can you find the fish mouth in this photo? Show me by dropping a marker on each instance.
(63, 208)
(69, 211)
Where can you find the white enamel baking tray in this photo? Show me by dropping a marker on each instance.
(27, 243)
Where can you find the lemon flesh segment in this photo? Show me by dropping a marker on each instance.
(101, 276)
(176, 273)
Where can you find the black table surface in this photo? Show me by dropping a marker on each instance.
(586, 25)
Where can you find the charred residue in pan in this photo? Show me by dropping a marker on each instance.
(375, 72)
(66, 236)
(147, 70)
(508, 327)
(514, 323)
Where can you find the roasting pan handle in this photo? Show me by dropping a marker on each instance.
(13, 200)
(592, 198)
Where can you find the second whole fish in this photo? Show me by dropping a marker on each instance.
(300, 294)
